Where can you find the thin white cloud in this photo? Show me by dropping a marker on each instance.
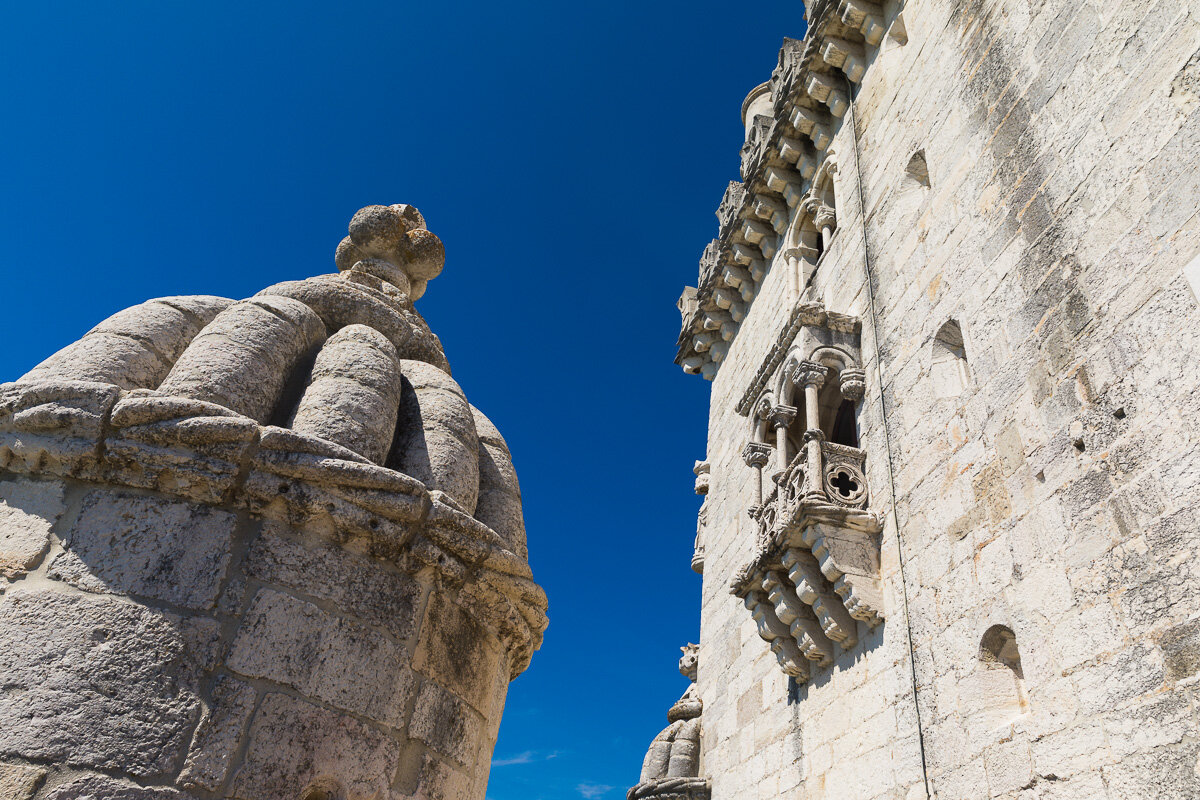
(528, 757)
(591, 790)
(520, 758)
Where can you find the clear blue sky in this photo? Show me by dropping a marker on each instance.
(569, 155)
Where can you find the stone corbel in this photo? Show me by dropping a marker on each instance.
(778, 636)
(847, 56)
(773, 211)
(811, 124)
(785, 182)
(800, 618)
(849, 559)
(755, 231)
(866, 16)
(734, 275)
(824, 89)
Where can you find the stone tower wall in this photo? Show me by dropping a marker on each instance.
(1052, 494)
(185, 645)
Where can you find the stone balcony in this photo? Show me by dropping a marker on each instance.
(815, 571)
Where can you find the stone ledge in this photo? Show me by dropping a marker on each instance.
(203, 452)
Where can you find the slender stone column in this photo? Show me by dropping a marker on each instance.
(812, 377)
(756, 455)
(781, 418)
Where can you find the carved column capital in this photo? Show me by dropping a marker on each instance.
(756, 454)
(810, 373)
(782, 416)
(825, 217)
(853, 383)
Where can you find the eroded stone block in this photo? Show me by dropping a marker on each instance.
(458, 652)
(169, 550)
(215, 744)
(20, 781)
(293, 743)
(102, 787)
(366, 588)
(445, 723)
(297, 644)
(28, 510)
(93, 682)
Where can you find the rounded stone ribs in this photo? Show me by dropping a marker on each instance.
(327, 399)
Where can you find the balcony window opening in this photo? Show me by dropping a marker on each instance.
(845, 425)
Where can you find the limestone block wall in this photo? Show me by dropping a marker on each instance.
(160, 648)
(1040, 541)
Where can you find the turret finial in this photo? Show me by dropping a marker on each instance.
(392, 243)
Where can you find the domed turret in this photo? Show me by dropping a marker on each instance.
(283, 515)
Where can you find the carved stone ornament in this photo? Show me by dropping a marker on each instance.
(853, 383)
(701, 470)
(816, 565)
(808, 373)
(782, 416)
(756, 454)
(672, 764)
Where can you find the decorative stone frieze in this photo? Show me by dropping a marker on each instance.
(810, 92)
(315, 430)
(671, 770)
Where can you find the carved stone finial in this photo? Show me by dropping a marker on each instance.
(810, 373)
(392, 244)
(701, 471)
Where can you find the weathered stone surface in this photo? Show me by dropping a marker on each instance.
(102, 787)
(297, 644)
(293, 743)
(374, 592)
(1181, 649)
(20, 781)
(1003, 194)
(93, 682)
(340, 303)
(455, 650)
(353, 393)
(245, 356)
(168, 550)
(28, 510)
(214, 747)
(445, 723)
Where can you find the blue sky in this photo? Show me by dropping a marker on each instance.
(569, 155)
